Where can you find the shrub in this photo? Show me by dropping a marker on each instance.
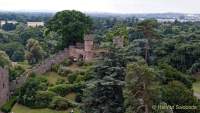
(88, 64)
(61, 89)
(63, 71)
(43, 98)
(64, 89)
(80, 63)
(60, 81)
(29, 90)
(7, 107)
(170, 74)
(77, 87)
(80, 78)
(176, 93)
(15, 72)
(55, 67)
(67, 62)
(81, 72)
(78, 98)
(59, 103)
(71, 78)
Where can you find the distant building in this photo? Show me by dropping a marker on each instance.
(2, 22)
(35, 24)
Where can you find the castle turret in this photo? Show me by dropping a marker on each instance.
(88, 47)
(88, 42)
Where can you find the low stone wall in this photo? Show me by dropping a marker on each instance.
(47, 63)
(15, 84)
(4, 86)
(39, 69)
(86, 52)
(76, 52)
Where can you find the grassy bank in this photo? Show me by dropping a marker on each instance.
(22, 109)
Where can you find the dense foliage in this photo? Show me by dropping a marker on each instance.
(35, 52)
(4, 59)
(25, 16)
(104, 93)
(71, 25)
(157, 66)
(28, 92)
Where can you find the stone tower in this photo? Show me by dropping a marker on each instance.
(88, 47)
(4, 86)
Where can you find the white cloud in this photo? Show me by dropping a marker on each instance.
(117, 6)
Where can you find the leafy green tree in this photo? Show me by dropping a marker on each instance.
(60, 103)
(4, 59)
(175, 93)
(28, 92)
(195, 69)
(168, 74)
(15, 71)
(18, 56)
(52, 42)
(147, 27)
(185, 56)
(43, 98)
(117, 30)
(6, 37)
(141, 90)
(35, 52)
(25, 33)
(71, 25)
(104, 91)
(8, 26)
(15, 51)
(21, 27)
(2, 38)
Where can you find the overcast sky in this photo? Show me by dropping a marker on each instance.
(114, 6)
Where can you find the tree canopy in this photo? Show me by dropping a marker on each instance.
(4, 59)
(71, 25)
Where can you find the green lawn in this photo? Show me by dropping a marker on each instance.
(22, 109)
(196, 87)
(71, 96)
(53, 77)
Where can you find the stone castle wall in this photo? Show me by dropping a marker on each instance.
(86, 52)
(73, 51)
(4, 86)
(15, 84)
(39, 69)
(7, 88)
(47, 63)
